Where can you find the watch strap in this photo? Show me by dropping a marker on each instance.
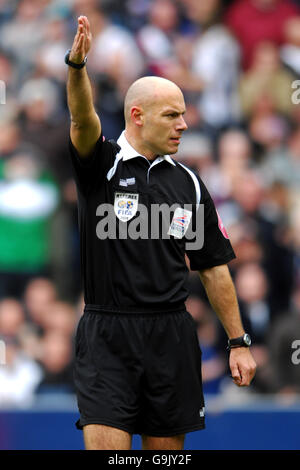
(73, 64)
(240, 342)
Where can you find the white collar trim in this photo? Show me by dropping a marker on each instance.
(128, 152)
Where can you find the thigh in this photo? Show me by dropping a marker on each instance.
(163, 443)
(107, 371)
(100, 437)
(172, 392)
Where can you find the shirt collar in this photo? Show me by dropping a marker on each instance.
(129, 152)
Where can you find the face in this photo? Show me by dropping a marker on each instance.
(163, 124)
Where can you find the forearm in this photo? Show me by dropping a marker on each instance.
(221, 293)
(80, 97)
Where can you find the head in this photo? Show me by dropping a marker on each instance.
(251, 283)
(202, 12)
(266, 57)
(291, 30)
(164, 14)
(154, 108)
(234, 149)
(196, 151)
(39, 294)
(56, 351)
(60, 317)
(12, 316)
(248, 191)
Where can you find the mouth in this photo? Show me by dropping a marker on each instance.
(176, 140)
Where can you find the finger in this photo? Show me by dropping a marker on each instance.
(80, 20)
(245, 379)
(77, 47)
(77, 34)
(236, 376)
(77, 37)
(87, 24)
(252, 373)
(81, 43)
(247, 373)
(88, 35)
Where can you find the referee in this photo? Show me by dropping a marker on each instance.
(138, 361)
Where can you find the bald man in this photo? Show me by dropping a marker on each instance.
(138, 361)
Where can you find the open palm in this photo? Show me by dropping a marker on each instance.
(82, 40)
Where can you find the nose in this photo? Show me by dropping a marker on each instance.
(182, 125)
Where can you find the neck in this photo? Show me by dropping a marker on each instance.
(139, 146)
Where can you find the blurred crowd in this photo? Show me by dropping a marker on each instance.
(237, 63)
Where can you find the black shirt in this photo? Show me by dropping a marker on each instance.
(146, 273)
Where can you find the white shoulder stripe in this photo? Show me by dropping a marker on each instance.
(196, 184)
(112, 171)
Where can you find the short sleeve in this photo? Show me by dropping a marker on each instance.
(216, 249)
(91, 171)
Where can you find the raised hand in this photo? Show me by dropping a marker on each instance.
(82, 41)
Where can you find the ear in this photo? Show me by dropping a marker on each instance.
(137, 115)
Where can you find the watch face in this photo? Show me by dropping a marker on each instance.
(247, 339)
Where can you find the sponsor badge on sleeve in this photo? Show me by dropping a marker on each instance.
(180, 222)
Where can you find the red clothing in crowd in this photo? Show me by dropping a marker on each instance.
(251, 23)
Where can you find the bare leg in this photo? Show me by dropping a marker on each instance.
(101, 437)
(163, 443)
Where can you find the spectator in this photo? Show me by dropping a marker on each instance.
(39, 295)
(44, 124)
(196, 151)
(26, 28)
(282, 164)
(214, 365)
(157, 36)
(234, 155)
(60, 318)
(50, 55)
(12, 317)
(254, 21)
(266, 79)
(252, 290)
(215, 54)
(10, 139)
(249, 194)
(56, 362)
(19, 377)
(286, 374)
(114, 48)
(267, 129)
(28, 198)
(290, 50)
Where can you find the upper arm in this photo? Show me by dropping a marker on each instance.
(85, 136)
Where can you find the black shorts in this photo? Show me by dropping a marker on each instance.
(139, 372)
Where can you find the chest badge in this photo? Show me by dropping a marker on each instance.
(125, 205)
(180, 222)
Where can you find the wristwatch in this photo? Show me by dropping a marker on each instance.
(240, 342)
(72, 64)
